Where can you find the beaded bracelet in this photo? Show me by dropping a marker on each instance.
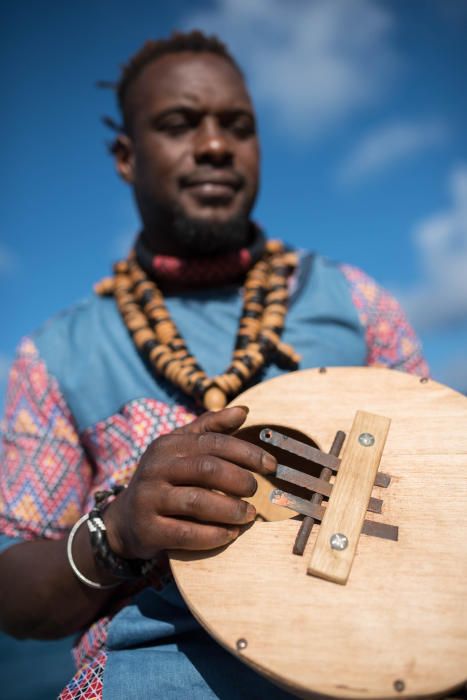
(127, 569)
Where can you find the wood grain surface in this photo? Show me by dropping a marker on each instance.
(349, 498)
(398, 628)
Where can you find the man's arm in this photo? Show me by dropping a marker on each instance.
(172, 502)
(40, 596)
(390, 339)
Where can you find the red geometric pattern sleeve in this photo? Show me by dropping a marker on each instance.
(44, 473)
(390, 339)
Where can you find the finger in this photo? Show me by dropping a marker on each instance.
(213, 473)
(225, 421)
(190, 447)
(202, 504)
(182, 534)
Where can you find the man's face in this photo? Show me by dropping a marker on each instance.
(194, 150)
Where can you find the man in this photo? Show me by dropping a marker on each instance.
(107, 394)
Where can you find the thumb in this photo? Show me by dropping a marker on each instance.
(225, 421)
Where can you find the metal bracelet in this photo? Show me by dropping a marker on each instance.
(74, 568)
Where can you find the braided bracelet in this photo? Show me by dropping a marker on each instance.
(127, 569)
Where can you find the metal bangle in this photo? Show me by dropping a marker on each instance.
(76, 571)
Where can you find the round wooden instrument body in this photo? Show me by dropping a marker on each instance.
(398, 628)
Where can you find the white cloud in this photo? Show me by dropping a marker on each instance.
(8, 261)
(440, 298)
(313, 62)
(389, 144)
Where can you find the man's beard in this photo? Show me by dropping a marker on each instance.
(198, 237)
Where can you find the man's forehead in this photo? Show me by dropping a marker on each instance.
(189, 78)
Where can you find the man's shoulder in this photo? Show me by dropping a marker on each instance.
(71, 336)
(77, 323)
(316, 270)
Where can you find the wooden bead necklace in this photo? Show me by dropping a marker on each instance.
(265, 295)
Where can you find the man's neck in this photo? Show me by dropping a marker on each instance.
(199, 271)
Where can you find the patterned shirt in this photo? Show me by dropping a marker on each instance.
(59, 447)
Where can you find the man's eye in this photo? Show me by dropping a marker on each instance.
(242, 128)
(174, 127)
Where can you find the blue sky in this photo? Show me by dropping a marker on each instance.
(362, 108)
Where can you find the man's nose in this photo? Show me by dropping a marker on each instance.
(213, 145)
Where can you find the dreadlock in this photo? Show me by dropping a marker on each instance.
(194, 41)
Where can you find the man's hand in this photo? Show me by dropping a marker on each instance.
(172, 501)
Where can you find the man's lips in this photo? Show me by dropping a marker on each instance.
(212, 185)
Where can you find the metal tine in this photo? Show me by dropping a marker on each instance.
(312, 454)
(293, 476)
(325, 474)
(284, 442)
(300, 505)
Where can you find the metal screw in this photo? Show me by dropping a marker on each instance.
(265, 434)
(399, 685)
(241, 644)
(366, 439)
(322, 370)
(339, 541)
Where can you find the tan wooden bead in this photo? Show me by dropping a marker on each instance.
(274, 246)
(253, 306)
(189, 361)
(233, 382)
(278, 296)
(240, 367)
(142, 288)
(159, 312)
(193, 378)
(275, 280)
(250, 323)
(274, 320)
(121, 285)
(214, 399)
(138, 276)
(173, 372)
(291, 259)
(142, 336)
(253, 285)
(136, 324)
(123, 297)
(270, 335)
(221, 383)
(288, 351)
(165, 331)
(277, 307)
(162, 358)
(121, 266)
(229, 383)
(105, 286)
(156, 352)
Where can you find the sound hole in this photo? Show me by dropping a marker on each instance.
(267, 511)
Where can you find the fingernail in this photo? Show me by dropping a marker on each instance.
(255, 488)
(245, 408)
(251, 512)
(269, 462)
(233, 534)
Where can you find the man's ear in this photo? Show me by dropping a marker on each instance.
(123, 151)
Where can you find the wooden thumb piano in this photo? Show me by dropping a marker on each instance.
(352, 582)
